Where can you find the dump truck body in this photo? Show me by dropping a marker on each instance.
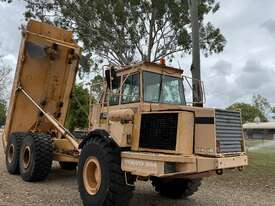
(46, 70)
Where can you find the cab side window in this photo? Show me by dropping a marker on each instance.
(114, 93)
(131, 89)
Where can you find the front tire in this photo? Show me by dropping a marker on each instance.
(101, 181)
(36, 156)
(176, 188)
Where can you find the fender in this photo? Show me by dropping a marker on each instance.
(96, 133)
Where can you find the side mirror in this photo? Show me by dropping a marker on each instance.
(111, 78)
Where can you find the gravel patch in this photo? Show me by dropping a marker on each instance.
(60, 189)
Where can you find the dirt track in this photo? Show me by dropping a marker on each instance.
(61, 189)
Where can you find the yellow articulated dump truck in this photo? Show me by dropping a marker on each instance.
(141, 128)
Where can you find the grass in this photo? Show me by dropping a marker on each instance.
(251, 143)
(260, 172)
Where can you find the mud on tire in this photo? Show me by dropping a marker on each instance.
(36, 156)
(113, 189)
(176, 188)
(13, 151)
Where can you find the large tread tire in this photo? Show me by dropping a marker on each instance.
(13, 152)
(113, 188)
(40, 155)
(176, 188)
(70, 166)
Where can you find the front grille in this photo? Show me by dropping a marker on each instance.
(159, 131)
(228, 131)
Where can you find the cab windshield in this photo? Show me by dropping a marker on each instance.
(163, 89)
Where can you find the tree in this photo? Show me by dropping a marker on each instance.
(96, 88)
(249, 112)
(2, 112)
(79, 108)
(125, 31)
(4, 78)
(273, 112)
(261, 103)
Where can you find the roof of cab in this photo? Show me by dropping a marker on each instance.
(161, 66)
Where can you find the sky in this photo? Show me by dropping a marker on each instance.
(245, 68)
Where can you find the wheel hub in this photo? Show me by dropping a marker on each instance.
(11, 153)
(92, 175)
(26, 157)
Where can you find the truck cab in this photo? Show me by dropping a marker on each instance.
(143, 108)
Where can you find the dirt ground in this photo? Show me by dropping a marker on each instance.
(234, 188)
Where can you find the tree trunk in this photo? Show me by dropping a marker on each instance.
(195, 68)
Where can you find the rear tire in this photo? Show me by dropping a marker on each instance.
(176, 188)
(13, 152)
(101, 181)
(36, 156)
(68, 165)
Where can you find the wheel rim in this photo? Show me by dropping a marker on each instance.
(26, 157)
(11, 154)
(92, 175)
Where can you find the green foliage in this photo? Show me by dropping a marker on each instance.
(273, 112)
(249, 112)
(122, 32)
(2, 112)
(96, 87)
(80, 102)
(79, 108)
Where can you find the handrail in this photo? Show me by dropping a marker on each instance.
(191, 87)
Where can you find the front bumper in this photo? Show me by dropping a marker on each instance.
(161, 165)
(218, 163)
